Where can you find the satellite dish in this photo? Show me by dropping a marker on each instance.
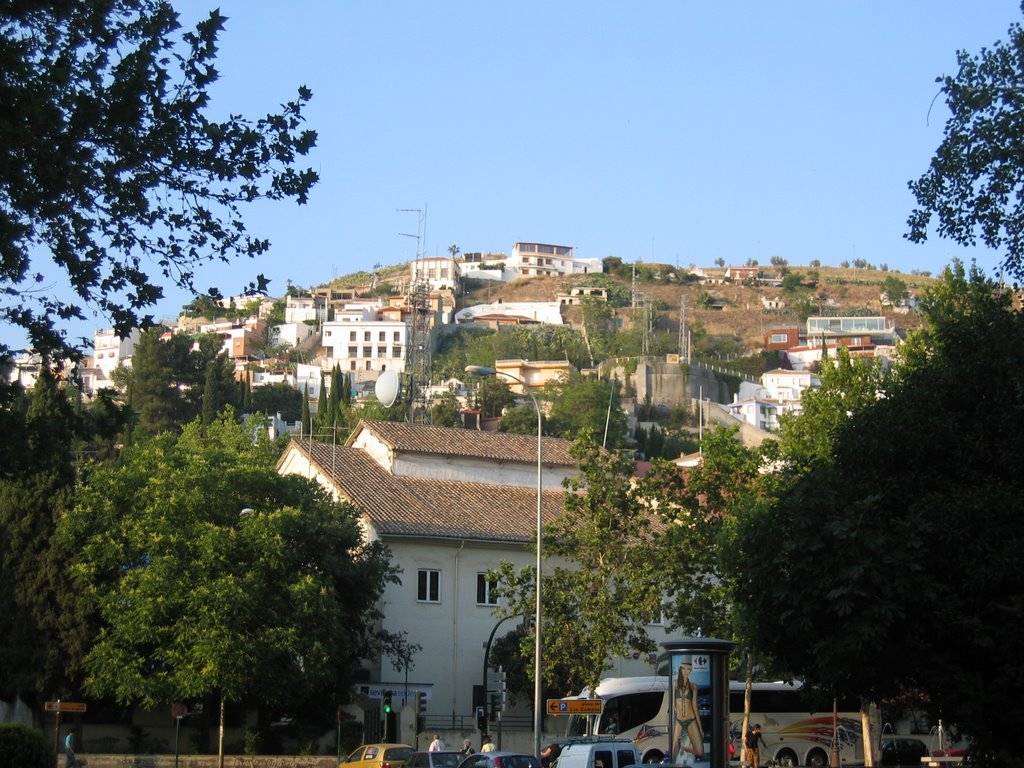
(387, 387)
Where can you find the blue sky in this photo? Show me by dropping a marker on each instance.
(676, 132)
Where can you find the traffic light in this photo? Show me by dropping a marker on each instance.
(481, 719)
(419, 703)
(387, 702)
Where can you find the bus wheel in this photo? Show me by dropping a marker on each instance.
(654, 756)
(787, 757)
(817, 759)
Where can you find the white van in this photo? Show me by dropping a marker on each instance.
(604, 753)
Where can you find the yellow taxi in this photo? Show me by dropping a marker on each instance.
(378, 756)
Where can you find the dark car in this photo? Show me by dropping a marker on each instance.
(903, 752)
(500, 760)
(434, 760)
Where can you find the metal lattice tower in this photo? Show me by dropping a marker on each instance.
(417, 353)
(684, 331)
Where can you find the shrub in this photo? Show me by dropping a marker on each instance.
(23, 747)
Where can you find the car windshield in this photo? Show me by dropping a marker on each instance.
(445, 759)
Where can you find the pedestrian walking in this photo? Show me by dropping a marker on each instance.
(69, 749)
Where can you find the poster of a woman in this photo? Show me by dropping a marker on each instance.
(688, 732)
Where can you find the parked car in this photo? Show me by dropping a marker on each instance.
(378, 756)
(434, 760)
(500, 760)
(903, 752)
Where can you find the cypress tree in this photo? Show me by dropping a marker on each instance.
(321, 403)
(305, 427)
(334, 402)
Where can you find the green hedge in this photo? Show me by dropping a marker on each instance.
(23, 747)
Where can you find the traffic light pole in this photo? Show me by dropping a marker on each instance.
(487, 657)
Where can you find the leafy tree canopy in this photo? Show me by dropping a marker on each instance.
(973, 184)
(210, 573)
(585, 404)
(601, 605)
(900, 541)
(467, 345)
(111, 161)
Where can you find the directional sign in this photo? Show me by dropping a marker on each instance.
(574, 706)
(64, 706)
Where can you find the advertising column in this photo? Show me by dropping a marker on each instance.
(699, 691)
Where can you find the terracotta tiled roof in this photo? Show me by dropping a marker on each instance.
(416, 506)
(471, 443)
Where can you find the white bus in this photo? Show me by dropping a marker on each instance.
(794, 733)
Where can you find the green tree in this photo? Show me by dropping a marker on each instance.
(914, 511)
(111, 160)
(847, 386)
(210, 573)
(792, 283)
(36, 656)
(695, 510)
(280, 398)
(304, 413)
(585, 404)
(599, 603)
(894, 290)
(445, 410)
(491, 396)
(322, 409)
(24, 747)
(218, 388)
(521, 420)
(972, 183)
(168, 378)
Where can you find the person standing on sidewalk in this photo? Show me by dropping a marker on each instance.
(69, 749)
(751, 742)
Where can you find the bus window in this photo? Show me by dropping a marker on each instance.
(629, 711)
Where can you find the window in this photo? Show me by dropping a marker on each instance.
(396, 352)
(366, 335)
(381, 336)
(428, 587)
(485, 590)
(778, 338)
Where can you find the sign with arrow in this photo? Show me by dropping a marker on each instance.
(574, 706)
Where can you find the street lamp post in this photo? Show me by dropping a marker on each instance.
(538, 710)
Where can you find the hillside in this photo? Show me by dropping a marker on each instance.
(738, 315)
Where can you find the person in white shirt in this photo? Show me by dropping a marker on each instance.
(436, 745)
